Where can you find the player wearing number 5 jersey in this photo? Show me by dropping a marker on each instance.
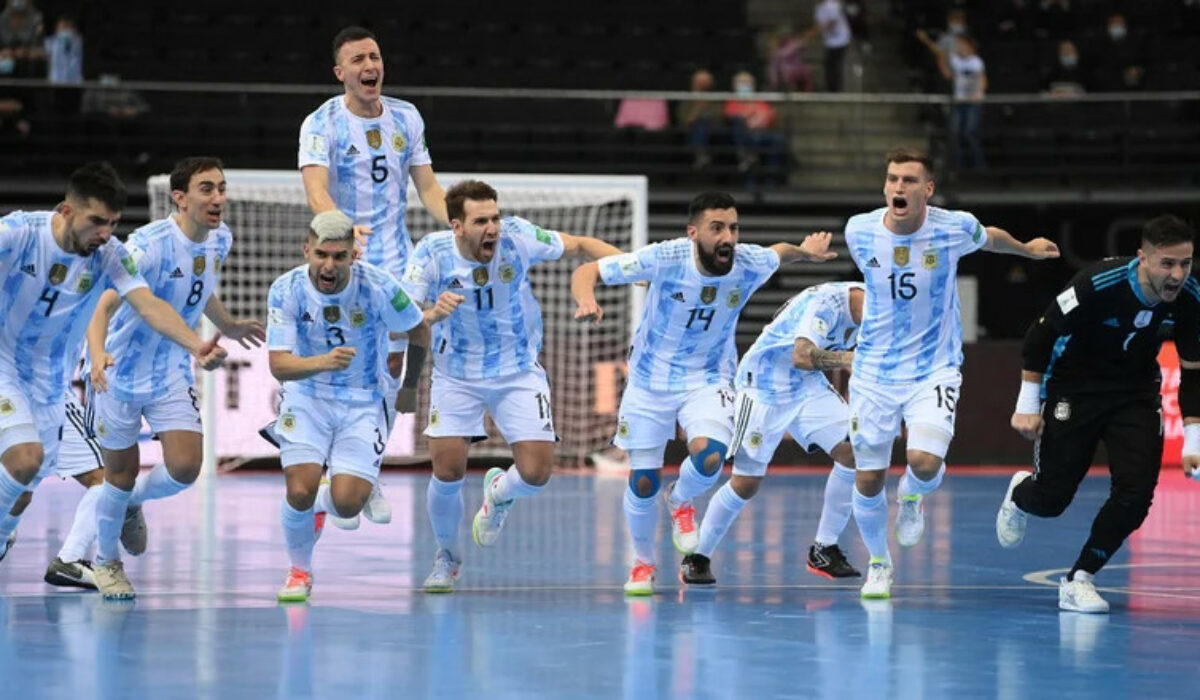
(325, 331)
(909, 346)
(485, 358)
(134, 372)
(682, 364)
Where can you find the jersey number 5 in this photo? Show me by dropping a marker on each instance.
(379, 171)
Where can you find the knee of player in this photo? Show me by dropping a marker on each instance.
(184, 472)
(301, 496)
(23, 461)
(1136, 501)
(644, 483)
(924, 464)
(745, 486)
(348, 505)
(843, 454)
(870, 483)
(708, 455)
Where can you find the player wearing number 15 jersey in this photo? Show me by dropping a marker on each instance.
(682, 365)
(909, 346)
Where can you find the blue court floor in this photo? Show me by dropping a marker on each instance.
(542, 613)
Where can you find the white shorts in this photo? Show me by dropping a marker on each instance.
(927, 408)
(519, 405)
(818, 420)
(348, 438)
(23, 421)
(118, 423)
(78, 452)
(646, 419)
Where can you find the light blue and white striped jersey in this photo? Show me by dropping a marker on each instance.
(182, 273)
(910, 327)
(685, 338)
(306, 322)
(368, 162)
(47, 298)
(497, 331)
(819, 314)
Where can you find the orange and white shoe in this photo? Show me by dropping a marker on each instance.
(684, 534)
(318, 525)
(297, 588)
(641, 579)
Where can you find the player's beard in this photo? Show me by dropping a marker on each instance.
(710, 262)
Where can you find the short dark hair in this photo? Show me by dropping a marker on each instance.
(348, 35)
(1167, 230)
(476, 190)
(903, 154)
(181, 174)
(709, 200)
(98, 180)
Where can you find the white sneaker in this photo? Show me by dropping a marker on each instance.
(684, 533)
(1080, 596)
(491, 515)
(377, 508)
(336, 520)
(879, 580)
(444, 574)
(910, 521)
(1011, 520)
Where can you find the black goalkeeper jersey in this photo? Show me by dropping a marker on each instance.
(1102, 335)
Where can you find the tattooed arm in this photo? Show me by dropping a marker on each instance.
(808, 356)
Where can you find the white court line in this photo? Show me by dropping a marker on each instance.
(1049, 577)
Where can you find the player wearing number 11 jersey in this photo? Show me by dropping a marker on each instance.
(909, 347)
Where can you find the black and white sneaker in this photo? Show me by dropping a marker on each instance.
(829, 562)
(696, 570)
(75, 574)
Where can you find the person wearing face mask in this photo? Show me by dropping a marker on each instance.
(830, 20)
(1120, 62)
(752, 124)
(965, 69)
(1067, 76)
(21, 51)
(65, 53)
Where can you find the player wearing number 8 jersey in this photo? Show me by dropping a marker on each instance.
(134, 372)
(682, 364)
(909, 346)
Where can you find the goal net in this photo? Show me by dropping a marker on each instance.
(269, 216)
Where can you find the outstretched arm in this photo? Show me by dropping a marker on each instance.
(583, 289)
(431, 192)
(588, 247)
(248, 332)
(97, 335)
(286, 366)
(1001, 241)
(159, 315)
(815, 248)
(807, 356)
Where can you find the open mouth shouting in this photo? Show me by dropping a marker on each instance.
(327, 282)
(724, 255)
(899, 205)
(370, 82)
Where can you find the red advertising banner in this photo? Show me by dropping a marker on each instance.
(1172, 422)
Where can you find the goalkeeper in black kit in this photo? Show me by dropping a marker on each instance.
(1091, 373)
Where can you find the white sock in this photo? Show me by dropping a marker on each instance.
(722, 510)
(154, 484)
(444, 502)
(300, 535)
(511, 487)
(10, 491)
(871, 514)
(641, 514)
(911, 485)
(83, 528)
(110, 517)
(835, 513)
(691, 483)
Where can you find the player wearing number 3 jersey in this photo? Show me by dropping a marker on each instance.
(909, 346)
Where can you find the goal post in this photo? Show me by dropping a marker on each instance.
(269, 215)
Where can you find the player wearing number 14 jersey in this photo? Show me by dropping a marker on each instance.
(909, 347)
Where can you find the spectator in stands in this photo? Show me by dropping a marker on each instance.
(830, 20)
(965, 69)
(21, 52)
(1055, 19)
(752, 123)
(1067, 77)
(1013, 20)
(114, 101)
(856, 15)
(1120, 63)
(647, 114)
(787, 70)
(12, 119)
(700, 118)
(956, 26)
(64, 51)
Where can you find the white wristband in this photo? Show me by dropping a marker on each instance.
(1029, 401)
(1191, 439)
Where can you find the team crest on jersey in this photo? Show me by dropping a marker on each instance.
(929, 260)
(735, 298)
(854, 424)
(58, 273)
(6, 407)
(217, 265)
(358, 318)
(755, 439)
(1062, 411)
(900, 255)
(333, 313)
(623, 429)
(199, 263)
(1143, 318)
(374, 138)
(84, 283)
(434, 418)
(480, 275)
(101, 428)
(398, 143)
(507, 273)
(287, 422)
(707, 294)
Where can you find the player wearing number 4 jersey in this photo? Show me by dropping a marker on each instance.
(485, 359)
(54, 266)
(683, 360)
(134, 372)
(909, 351)
(326, 329)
